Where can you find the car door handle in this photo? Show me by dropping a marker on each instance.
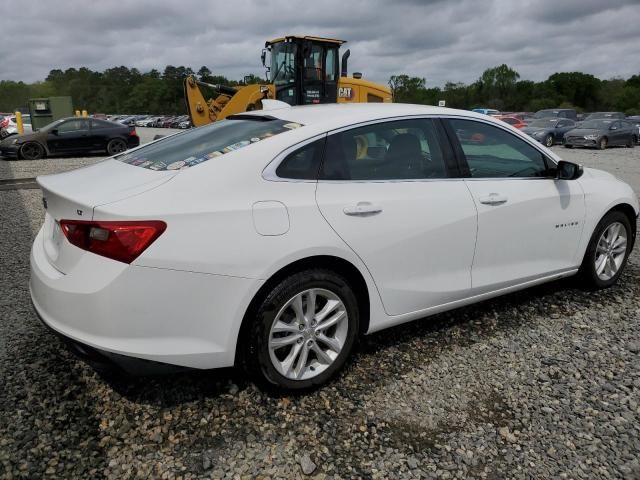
(493, 199)
(362, 209)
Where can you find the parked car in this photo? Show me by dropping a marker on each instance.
(486, 111)
(175, 123)
(513, 121)
(148, 122)
(71, 135)
(557, 113)
(139, 122)
(185, 124)
(601, 133)
(595, 115)
(11, 125)
(4, 123)
(549, 131)
(159, 121)
(295, 240)
(168, 121)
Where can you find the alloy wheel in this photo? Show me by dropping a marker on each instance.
(308, 334)
(31, 151)
(116, 146)
(610, 251)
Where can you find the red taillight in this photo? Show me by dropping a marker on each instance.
(132, 133)
(121, 241)
(4, 122)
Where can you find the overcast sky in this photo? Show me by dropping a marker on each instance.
(440, 40)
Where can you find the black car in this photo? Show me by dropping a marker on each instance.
(601, 133)
(549, 131)
(70, 136)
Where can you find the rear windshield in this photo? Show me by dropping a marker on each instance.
(196, 146)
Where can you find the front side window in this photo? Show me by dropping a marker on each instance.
(72, 126)
(283, 57)
(202, 144)
(493, 153)
(396, 150)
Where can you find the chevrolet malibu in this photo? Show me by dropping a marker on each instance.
(274, 239)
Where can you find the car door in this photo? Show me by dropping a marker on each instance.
(99, 134)
(615, 133)
(627, 129)
(69, 136)
(388, 191)
(529, 223)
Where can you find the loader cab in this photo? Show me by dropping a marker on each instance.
(304, 70)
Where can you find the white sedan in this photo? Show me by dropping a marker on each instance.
(273, 239)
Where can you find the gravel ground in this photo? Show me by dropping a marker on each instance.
(543, 383)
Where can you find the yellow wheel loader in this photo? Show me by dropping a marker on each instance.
(302, 71)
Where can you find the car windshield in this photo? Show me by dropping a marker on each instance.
(202, 144)
(544, 123)
(596, 124)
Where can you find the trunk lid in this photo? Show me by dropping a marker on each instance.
(74, 195)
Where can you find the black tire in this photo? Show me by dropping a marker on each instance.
(31, 151)
(603, 143)
(256, 358)
(587, 273)
(631, 142)
(548, 141)
(116, 145)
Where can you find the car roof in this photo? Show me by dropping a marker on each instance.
(333, 116)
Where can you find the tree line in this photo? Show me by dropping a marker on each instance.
(501, 88)
(114, 90)
(128, 90)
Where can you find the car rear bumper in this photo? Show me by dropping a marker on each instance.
(103, 360)
(178, 318)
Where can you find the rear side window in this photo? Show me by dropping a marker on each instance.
(395, 150)
(98, 124)
(302, 164)
(199, 145)
(494, 153)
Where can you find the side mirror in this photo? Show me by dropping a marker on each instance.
(568, 170)
(54, 131)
